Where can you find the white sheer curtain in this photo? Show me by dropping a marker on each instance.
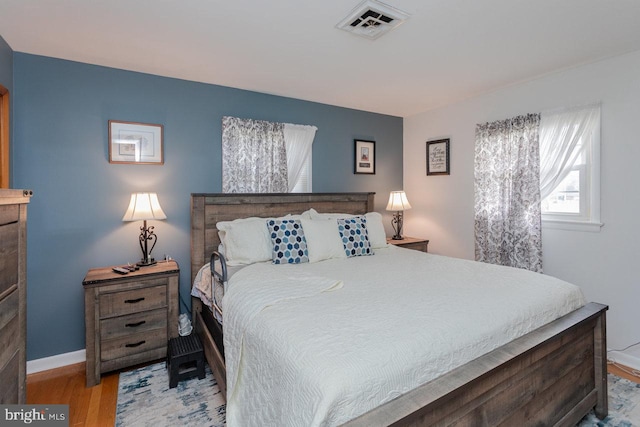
(298, 140)
(560, 148)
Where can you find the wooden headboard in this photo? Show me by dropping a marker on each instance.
(208, 209)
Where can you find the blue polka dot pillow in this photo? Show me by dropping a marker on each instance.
(354, 235)
(288, 241)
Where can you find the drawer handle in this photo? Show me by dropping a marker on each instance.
(135, 325)
(134, 301)
(138, 344)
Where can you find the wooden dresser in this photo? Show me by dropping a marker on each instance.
(129, 318)
(13, 295)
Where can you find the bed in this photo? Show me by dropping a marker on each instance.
(552, 375)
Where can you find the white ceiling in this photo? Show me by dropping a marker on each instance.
(448, 50)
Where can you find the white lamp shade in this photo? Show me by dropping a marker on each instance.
(398, 201)
(144, 206)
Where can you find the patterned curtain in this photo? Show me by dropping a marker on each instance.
(254, 157)
(507, 193)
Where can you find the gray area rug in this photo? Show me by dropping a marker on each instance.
(624, 405)
(145, 399)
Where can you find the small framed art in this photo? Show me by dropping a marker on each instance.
(135, 143)
(438, 157)
(365, 157)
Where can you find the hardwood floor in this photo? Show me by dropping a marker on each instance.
(624, 372)
(96, 406)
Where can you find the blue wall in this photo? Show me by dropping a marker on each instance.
(61, 109)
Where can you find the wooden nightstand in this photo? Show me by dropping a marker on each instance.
(129, 318)
(411, 243)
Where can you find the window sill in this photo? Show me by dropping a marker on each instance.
(557, 224)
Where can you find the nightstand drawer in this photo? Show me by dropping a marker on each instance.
(134, 344)
(134, 301)
(132, 323)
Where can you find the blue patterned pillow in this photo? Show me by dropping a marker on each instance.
(288, 242)
(354, 235)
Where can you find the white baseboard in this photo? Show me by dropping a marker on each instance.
(625, 359)
(57, 361)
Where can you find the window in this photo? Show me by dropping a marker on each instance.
(569, 171)
(299, 145)
(259, 156)
(303, 185)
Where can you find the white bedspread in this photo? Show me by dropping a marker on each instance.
(319, 344)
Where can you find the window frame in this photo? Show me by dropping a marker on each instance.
(589, 217)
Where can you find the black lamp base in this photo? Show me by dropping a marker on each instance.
(396, 223)
(146, 263)
(146, 235)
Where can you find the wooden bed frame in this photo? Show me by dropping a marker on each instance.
(553, 375)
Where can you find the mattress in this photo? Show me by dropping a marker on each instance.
(319, 344)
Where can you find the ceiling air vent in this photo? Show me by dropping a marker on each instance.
(371, 19)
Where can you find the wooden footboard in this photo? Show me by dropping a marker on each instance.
(552, 376)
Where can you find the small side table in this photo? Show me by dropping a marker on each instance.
(411, 243)
(129, 318)
(185, 359)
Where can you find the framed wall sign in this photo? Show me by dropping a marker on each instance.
(365, 157)
(135, 143)
(438, 157)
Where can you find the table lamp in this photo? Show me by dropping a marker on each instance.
(145, 206)
(397, 202)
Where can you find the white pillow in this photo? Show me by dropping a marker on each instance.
(306, 214)
(323, 239)
(288, 216)
(377, 235)
(325, 216)
(245, 240)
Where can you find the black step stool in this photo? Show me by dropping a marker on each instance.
(185, 359)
